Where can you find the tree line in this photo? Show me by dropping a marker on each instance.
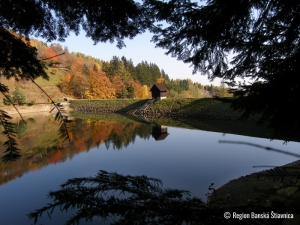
(87, 77)
(262, 36)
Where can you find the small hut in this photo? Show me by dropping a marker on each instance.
(159, 91)
(160, 132)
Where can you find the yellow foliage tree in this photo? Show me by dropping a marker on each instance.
(65, 84)
(144, 92)
(160, 80)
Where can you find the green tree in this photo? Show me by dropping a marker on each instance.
(143, 74)
(18, 97)
(102, 20)
(223, 90)
(95, 68)
(130, 91)
(164, 75)
(123, 93)
(173, 94)
(129, 66)
(85, 70)
(8, 100)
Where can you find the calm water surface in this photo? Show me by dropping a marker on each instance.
(184, 159)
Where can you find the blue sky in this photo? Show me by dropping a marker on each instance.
(138, 49)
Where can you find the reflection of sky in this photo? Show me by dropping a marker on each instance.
(186, 159)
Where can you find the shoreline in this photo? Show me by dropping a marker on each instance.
(251, 189)
(27, 110)
(34, 109)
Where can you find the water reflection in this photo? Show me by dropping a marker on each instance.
(141, 200)
(191, 164)
(90, 133)
(40, 144)
(159, 132)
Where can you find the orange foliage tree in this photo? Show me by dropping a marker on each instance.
(101, 87)
(137, 87)
(118, 84)
(65, 84)
(49, 53)
(79, 84)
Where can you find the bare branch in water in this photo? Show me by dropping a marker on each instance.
(260, 146)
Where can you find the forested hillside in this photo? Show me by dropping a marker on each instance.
(80, 76)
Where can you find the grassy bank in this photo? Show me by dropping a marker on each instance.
(193, 106)
(190, 107)
(123, 105)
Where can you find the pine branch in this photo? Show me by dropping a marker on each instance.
(7, 98)
(142, 201)
(64, 134)
(12, 152)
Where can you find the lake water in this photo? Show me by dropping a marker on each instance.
(189, 159)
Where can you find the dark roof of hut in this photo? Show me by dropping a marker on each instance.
(159, 137)
(160, 87)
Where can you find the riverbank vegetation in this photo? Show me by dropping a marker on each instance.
(268, 56)
(79, 76)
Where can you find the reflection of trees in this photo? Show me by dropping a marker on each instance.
(127, 134)
(40, 145)
(89, 133)
(141, 200)
(20, 127)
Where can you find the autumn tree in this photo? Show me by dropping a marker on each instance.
(65, 84)
(118, 84)
(160, 80)
(79, 85)
(136, 85)
(101, 86)
(49, 54)
(57, 48)
(144, 92)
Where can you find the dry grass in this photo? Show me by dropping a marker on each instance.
(32, 92)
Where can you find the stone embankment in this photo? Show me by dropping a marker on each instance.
(186, 108)
(105, 105)
(98, 109)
